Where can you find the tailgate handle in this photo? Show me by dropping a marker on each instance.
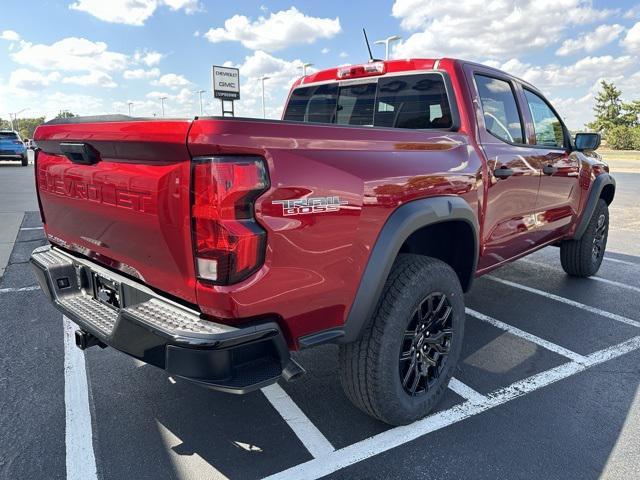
(81, 153)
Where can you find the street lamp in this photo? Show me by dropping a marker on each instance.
(386, 42)
(264, 111)
(15, 117)
(129, 104)
(162, 99)
(200, 92)
(304, 68)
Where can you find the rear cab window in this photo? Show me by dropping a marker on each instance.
(500, 109)
(414, 101)
(9, 136)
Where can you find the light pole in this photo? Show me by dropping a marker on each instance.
(264, 111)
(386, 42)
(162, 99)
(200, 92)
(304, 68)
(15, 117)
(129, 104)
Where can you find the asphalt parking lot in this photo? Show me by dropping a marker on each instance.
(547, 386)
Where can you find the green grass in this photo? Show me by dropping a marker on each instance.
(633, 155)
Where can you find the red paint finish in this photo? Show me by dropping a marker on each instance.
(131, 211)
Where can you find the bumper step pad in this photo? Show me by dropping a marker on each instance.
(160, 331)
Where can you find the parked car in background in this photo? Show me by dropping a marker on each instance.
(12, 147)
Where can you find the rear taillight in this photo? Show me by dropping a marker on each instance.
(229, 244)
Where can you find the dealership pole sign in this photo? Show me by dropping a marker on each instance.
(226, 86)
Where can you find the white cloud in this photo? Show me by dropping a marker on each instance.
(10, 35)
(591, 41)
(150, 58)
(78, 104)
(280, 30)
(343, 55)
(579, 73)
(171, 80)
(325, 50)
(28, 80)
(71, 54)
(481, 29)
(281, 73)
(92, 79)
(141, 73)
(130, 12)
(632, 40)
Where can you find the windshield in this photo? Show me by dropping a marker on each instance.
(407, 101)
(9, 136)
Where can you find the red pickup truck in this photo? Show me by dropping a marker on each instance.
(214, 247)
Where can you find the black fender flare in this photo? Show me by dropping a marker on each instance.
(405, 220)
(598, 185)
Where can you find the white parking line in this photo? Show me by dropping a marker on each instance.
(573, 303)
(32, 228)
(623, 262)
(319, 467)
(576, 357)
(305, 430)
(21, 289)
(595, 278)
(81, 462)
(466, 392)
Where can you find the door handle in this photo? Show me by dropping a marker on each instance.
(549, 169)
(502, 172)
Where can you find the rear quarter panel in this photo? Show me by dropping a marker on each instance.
(314, 262)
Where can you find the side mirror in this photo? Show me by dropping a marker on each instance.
(587, 141)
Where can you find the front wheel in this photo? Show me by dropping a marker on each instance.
(583, 257)
(401, 366)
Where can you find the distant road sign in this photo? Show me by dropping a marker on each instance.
(226, 83)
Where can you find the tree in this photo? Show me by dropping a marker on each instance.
(26, 126)
(608, 108)
(631, 115)
(66, 114)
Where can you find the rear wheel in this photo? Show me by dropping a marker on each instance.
(583, 257)
(25, 160)
(401, 366)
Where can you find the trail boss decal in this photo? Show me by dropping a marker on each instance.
(304, 206)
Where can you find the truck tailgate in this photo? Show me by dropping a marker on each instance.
(130, 210)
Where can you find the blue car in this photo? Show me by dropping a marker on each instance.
(12, 147)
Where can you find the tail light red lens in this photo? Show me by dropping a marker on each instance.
(229, 244)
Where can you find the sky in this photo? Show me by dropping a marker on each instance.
(95, 56)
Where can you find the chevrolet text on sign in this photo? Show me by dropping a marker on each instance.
(226, 83)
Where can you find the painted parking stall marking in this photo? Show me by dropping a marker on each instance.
(573, 303)
(20, 289)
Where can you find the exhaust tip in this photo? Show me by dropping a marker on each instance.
(293, 371)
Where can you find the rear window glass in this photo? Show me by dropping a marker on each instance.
(408, 101)
(8, 136)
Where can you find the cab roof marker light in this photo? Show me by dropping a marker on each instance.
(364, 70)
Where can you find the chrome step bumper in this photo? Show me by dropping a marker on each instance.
(159, 331)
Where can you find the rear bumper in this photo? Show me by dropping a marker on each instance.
(12, 156)
(160, 332)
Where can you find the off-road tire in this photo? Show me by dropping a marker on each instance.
(25, 160)
(369, 368)
(578, 257)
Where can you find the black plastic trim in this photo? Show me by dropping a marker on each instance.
(599, 183)
(319, 338)
(401, 224)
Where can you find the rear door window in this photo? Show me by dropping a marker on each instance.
(499, 108)
(8, 136)
(417, 101)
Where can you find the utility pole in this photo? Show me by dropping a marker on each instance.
(162, 99)
(264, 111)
(129, 103)
(386, 42)
(13, 117)
(200, 92)
(304, 68)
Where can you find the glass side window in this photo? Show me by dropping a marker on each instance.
(403, 101)
(547, 125)
(500, 110)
